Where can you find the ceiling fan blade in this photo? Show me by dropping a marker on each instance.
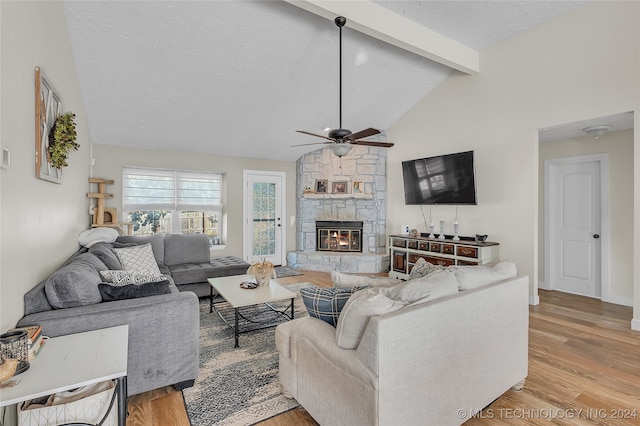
(313, 143)
(363, 133)
(372, 143)
(314, 134)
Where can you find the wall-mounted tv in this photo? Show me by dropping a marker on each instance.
(444, 179)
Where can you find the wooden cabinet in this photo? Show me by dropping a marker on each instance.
(405, 252)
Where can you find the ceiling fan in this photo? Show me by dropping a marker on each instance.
(342, 140)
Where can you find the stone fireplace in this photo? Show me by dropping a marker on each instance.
(339, 235)
(367, 206)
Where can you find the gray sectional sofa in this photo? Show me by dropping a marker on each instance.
(186, 259)
(164, 329)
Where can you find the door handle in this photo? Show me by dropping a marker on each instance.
(596, 236)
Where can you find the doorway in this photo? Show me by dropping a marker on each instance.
(263, 212)
(576, 229)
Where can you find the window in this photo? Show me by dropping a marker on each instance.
(172, 201)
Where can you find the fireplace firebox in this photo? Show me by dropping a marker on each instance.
(338, 235)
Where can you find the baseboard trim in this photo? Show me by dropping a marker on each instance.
(635, 324)
(534, 300)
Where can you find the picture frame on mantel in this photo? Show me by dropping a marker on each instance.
(339, 188)
(48, 107)
(322, 186)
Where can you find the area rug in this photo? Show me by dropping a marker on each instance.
(285, 271)
(237, 386)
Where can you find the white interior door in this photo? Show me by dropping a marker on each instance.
(263, 216)
(574, 224)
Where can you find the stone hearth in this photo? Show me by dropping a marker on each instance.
(363, 164)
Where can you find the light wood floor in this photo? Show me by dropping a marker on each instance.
(584, 368)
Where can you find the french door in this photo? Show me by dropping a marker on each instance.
(263, 216)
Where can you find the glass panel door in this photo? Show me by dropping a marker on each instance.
(263, 217)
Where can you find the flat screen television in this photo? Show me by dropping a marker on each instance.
(443, 179)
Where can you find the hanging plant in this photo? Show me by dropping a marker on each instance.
(62, 139)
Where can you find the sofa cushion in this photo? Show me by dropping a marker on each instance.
(122, 277)
(429, 287)
(355, 315)
(138, 258)
(342, 280)
(105, 253)
(423, 268)
(478, 275)
(75, 284)
(326, 303)
(188, 273)
(180, 249)
(109, 292)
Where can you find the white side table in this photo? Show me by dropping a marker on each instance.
(75, 360)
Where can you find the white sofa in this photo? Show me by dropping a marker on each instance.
(434, 363)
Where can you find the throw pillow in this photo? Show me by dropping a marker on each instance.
(477, 275)
(97, 235)
(75, 284)
(419, 290)
(423, 268)
(342, 280)
(121, 278)
(156, 241)
(355, 315)
(326, 303)
(109, 292)
(105, 253)
(138, 258)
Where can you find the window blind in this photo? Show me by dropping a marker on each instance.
(149, 189)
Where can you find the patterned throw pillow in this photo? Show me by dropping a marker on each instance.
(138, 258)
(121, 277)
(326, 303)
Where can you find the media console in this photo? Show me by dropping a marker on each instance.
(405, 251)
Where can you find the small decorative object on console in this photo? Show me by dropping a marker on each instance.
(481, 238)
(262, 272)
(441, 236)
(413, 232)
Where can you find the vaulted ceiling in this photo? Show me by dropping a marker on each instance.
(237, 78)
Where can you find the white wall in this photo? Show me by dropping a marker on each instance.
(111, 159)
(581, 65)
(40, 220)
(619, 147)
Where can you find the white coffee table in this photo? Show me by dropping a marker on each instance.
(75, 360)
(230, 290)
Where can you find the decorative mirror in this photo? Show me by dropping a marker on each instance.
(48, 107)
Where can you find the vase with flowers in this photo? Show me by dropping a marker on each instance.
(263, 272)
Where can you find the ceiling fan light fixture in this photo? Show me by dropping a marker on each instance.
(597, 131)
(340, 149)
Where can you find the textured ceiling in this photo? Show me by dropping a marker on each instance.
(237, 78)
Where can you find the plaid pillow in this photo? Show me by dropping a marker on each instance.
(326, 303)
